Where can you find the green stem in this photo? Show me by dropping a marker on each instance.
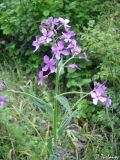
(55, 107)
(27, 94)
(19, 92)
(80, 100)
(73, 92)
(66, 62)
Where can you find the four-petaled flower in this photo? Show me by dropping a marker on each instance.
(41, 78)
(38, 42)
(73, 47)
(108, 102)
(65, 23)
(67, 36)
(98, 94)
(49, 24)
(47, 35)
(50, 64)
(59, 50)
(74, 66)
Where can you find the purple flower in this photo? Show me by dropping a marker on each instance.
(47, 35)
(73, 47)
(49, 24)
(108, 102)
(74, 66)
(38, 42)
(65, 23)
(50, 64)
(100, 87)
(2, 100)
(41, 78)
(56, 21)
(98, 94)
(67, 36)
(3, 86)
(59, 50)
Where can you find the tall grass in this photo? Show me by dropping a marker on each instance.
(25, 129)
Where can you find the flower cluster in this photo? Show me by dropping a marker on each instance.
(99, 94)
(58, 33)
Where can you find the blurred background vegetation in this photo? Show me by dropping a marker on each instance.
(97, 24)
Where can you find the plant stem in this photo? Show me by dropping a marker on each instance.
(55, 107)
(80, 100)
(66, 62)
(27, 94)
(73, 92)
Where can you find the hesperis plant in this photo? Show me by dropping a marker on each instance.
(64, 49)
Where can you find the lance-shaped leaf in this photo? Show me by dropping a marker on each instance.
(60, 67)
(67, 122)
(42, 105)
(64, 102)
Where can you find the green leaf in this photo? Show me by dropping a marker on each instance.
(66, 123)
(43, 105)
(85, 81)
(52, 157)
(60, 67)
(64, 102)
(46, 13)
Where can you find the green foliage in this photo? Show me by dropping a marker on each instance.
(25, 132)
(25, 129)
(80, 78)
(64, 102)
(102, 40)
(20, 19)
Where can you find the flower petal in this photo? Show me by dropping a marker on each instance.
(44, 31)
(54, 49)
(108, 102)
(74, 66)
(45, 68)
(40, 82)
(60, 45)
(93, 94)
(102, 99)
(95, 101)
(65, 52)
(50, 34)
(53, 61)
(2, 100)
(52, 69)
(40, 74)
(46, 59)
(48, 40)
(57, 55)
